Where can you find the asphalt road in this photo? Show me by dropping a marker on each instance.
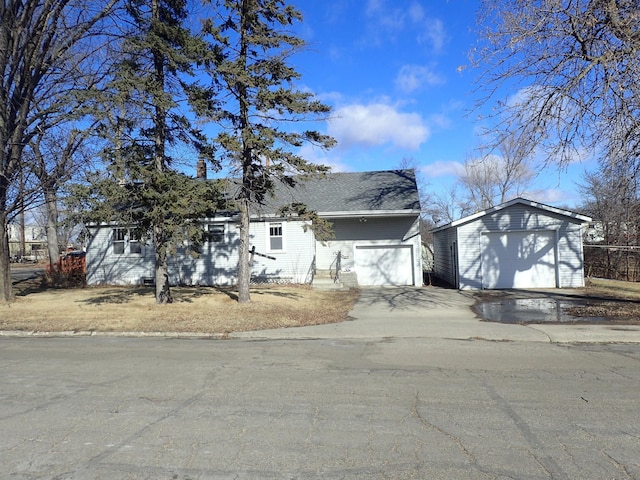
(132, 408)
(20, 273)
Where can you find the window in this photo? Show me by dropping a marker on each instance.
(134, 243)
(276, 239)
(119, 237)
(122, 236)
(215, 233)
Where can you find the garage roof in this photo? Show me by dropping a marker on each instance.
(578, 218)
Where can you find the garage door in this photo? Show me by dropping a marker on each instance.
(384, 265)
(519, 259)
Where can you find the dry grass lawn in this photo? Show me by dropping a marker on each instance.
(615, 300)
(215, 311)
(613, 289)
(195, 309)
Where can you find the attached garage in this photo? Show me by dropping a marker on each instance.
(384, 265)
(519, 244)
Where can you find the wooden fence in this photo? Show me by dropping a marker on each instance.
(71, 266)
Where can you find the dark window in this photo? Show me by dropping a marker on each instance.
(215, 232)
(134, 243)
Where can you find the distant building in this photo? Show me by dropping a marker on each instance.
(35, 242)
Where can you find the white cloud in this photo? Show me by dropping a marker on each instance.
(379, 11)
(377, 124)
(413, 77)
(320, 156)
(439, 120)
(389, 19)
(416, 12)
(442, 168)
(550, 196)
(434, 35)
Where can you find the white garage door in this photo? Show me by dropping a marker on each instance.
(519, 259)
(384, 265)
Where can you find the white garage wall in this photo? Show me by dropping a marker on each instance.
(530, 259)
(444, 256)
(520, 217)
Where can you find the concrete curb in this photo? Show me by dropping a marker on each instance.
(556, 334)
(585, 333)
(73, 334)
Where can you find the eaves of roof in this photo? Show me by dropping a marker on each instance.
(515, 201)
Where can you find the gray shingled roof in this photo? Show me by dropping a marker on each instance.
(390, 190)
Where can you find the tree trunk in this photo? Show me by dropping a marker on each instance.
(244, 268)
(163, 290)
(53, 247)
(5, 267)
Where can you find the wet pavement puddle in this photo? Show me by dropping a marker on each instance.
(533, 310)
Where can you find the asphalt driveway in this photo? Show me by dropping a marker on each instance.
(436, 312)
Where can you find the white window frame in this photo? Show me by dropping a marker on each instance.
(208, 233)
(116, 240)
(282, 236)
(128, 239)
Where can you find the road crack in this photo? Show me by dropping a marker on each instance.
(454, 438)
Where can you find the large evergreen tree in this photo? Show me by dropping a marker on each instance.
(142, 185)
(259, 108)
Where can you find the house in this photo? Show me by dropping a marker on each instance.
(518, 244)
(375, 217)
(27, 242)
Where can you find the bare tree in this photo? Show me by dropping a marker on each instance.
(448, 206)
(57, 158)
(569, 72)
(494, 178)
(43, 45)
(612, 198)
(486, 181)
(410, 163)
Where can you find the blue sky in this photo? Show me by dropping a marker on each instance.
(397, 74)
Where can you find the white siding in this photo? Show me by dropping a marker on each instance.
(444, 255)
(105, 267)
(518, 218)
(571, 256)
(216, 264)
(294, 263)
(375, 231)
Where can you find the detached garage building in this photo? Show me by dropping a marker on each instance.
(518, 244)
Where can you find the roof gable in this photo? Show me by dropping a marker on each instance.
(575, 217)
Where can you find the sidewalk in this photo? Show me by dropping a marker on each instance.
(432, 312)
